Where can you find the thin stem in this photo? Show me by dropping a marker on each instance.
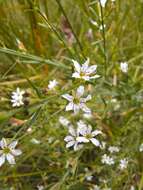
(103, 35)
(64, 13)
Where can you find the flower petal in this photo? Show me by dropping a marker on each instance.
(96, 132)
(89, 97)
(95, 77)
(68, 138)
(91, 69)
(95, 141)
(2, 159)
(70, 106)
(3, 143)
(10, 158)
(67, 97)
(13, 144)
(82, 139)
(76, 75)
(85, 65)
(76, 108)
(80, 91)
(76, 66)
(72, 131)
(16, 152)
(70, 143)
(85, 108)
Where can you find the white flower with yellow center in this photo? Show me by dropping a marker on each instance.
(107, 160)
(8, 152)
(77, 102)
(52, 84)
(87, 135)
(123, 163)
(72, 139)
(17, 98)
(85, 71)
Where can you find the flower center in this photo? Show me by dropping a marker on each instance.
(6, 150)
(88, 136)
(76, 100)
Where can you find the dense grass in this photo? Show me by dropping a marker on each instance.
(38, 41)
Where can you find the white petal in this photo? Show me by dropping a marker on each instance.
(68, 138)
(87, 78)
(77, 146)
(76, 75)
(82, 130)
(16, 152)
(67, 97)
(91, 69)
(80, 91)
(96, 132)
(10, 158)
(85, 65)
(89, 129)
(82, 139)
(77, 66)
(70, 143)
(70, 106)
(3, 143)
(89, 97)
(72, 131)
(2, 159)
(95, 142)
(76, 108)
(103, 2)
(85, 108)
(95, 77)
(13, 144)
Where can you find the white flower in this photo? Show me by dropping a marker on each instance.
(107, 160)
(89, 178)
(65, 122)
(17, 98)
(87, 115)
(132, 188)
(103, 3)
(113, 149)
(141, 148)
(52, 84)
(123, 163)
(87, 134)
(124, 67)
(85, 71)
(72, 139)
(76, 102)
(8, 151)
(40, 187)
(96, 187)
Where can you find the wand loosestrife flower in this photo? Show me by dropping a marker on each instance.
(77, 102)
(107, 160)
(85, 71)
(8, 152)
(52, 84)
(103, 3)
(124, 67)
(17, 97)
(123, 163)
(87, 135)
(72, 139)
